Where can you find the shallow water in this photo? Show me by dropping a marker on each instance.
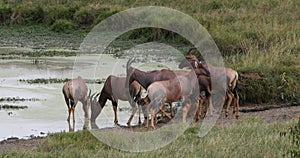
(49, 114)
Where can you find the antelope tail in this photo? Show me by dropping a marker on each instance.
(234, 84)
(77, 93)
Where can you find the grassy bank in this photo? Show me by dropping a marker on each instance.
(258, 38)
(249, 137)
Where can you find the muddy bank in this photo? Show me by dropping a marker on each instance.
(277, 114)
(20, 144)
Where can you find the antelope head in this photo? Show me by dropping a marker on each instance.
(187, 63)
(195, 64)
(95, 107)
(198, 64)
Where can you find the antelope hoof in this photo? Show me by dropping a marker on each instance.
(128, 123)
(226, 114)
(116, 122)
(237, 116)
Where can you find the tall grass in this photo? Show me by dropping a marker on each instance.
(249, 137)
(237, 26)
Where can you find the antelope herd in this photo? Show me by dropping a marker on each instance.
(190, 87)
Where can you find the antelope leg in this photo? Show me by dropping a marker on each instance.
(134, 108)
(152, 118)
(139, 108)
(199, 110)
(71, 129)
(211, 107)
(171, 110)
(230, 96)
(237, 106)
(85, 109)
(69, 110)
(115, 112)
(164, 113)
(73, 111)
(147, 120)
(185, 111)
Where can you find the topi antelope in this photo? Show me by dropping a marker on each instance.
(231, 77)
(114, 89)
(76, 90)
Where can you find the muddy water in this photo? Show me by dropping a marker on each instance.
(49, 113)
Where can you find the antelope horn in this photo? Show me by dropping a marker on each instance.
(93, 94)
(129, 62)
(91, 97)
(128, 70)
(98, 94)
(191, 49)
(90, 93)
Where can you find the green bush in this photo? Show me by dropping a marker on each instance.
(85, 17)
(63, 25)
(58, 12)
(30, 15)
(103, 14)
(274, 87)
(5, 13)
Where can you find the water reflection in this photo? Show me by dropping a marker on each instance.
(94, 126)
(71, 128)
(46, 112)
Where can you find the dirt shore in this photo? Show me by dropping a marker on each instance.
(275, 113)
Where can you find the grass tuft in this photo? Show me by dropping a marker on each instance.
(250, 137)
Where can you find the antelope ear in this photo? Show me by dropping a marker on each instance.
(196, 64)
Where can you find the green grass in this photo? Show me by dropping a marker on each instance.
(249, 137)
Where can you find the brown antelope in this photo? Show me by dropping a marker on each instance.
(231, 77)
(204, 86)
(114, 89)
(76, 90)
(182, 87)
(145, 79)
